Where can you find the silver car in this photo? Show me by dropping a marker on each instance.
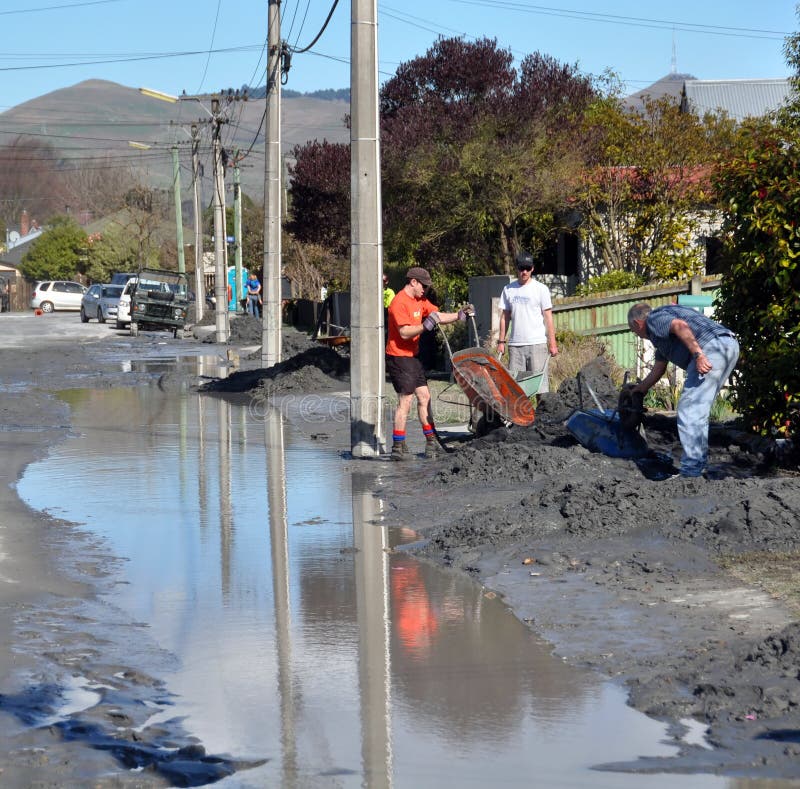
(101, 302)
(57, 295)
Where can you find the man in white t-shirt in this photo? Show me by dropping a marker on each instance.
(527, 306)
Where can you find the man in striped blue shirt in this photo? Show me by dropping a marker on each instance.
(707, 350)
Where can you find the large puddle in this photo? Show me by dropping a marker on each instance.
(302, 633)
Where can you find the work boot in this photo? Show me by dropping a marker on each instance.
(431, 449)
(400, 451)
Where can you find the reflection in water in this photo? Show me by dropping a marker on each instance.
(302, 633)
(279, 550)
(372, 604)
(415, 620)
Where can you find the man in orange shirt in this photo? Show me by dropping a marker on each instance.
(411, 314)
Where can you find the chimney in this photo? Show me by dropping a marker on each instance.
(24, 223)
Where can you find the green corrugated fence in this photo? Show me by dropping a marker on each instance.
(605, 315)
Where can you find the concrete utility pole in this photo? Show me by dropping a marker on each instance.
(366, 302)
(176, 188)
(220, 272)
(237, 234)
(199, 273)
(271, 277)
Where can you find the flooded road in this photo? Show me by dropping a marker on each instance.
(298, 629)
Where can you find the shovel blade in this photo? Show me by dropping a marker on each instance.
(599, 432)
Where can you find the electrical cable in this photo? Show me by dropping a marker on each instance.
(319, 35)
(210, 48)
(136, 58)
(302, 24)
(294, 17)
(57, 7)
(658, 24)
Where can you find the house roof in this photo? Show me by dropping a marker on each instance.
(669, 85)
(13, 257)
(739, 98)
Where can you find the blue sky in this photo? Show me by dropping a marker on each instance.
(51, 44)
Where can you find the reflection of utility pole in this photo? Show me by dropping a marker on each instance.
(199, 273)
(220, 273)
(176, 188)
(271, 278)
(237, 233)
(281, 595)
(370, 541)
(366, 304)
(225, 499)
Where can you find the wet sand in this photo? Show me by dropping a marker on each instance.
(617, 571)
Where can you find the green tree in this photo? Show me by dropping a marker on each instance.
(479, 157)
(115, 249)
(643, 199)
(760, 187)
(59, 253)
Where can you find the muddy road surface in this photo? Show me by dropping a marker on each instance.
(683, 591)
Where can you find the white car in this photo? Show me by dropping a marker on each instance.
(57, 295)
(124, 306)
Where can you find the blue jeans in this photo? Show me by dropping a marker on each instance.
(698, 395)
(253, 306)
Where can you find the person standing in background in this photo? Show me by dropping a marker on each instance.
(253, 295)
(526, 304)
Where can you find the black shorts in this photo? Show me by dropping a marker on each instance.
(406, 373)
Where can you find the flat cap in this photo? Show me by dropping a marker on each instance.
(419, 274)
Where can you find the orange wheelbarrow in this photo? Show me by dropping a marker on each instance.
(495, 396)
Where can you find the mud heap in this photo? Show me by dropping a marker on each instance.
(625, 571)
(315, 369)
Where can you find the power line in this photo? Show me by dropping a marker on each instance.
(319, 35)
(302, 24)
(136, 58)
(633, 21)
(57, 7)
(210, 47)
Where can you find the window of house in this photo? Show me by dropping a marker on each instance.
(559, 257)
(714, 259)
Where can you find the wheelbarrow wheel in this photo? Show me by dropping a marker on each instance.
(487, 421)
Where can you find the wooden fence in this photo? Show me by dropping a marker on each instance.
(605, 315)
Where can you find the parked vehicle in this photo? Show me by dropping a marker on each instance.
(159, 300)
(100, 302)
(121, 277)
(57, 295)
(124, 305)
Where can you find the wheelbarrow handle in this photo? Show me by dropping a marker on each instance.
(474, 328)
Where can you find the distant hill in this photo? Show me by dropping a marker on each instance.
(98, 118)
(330, 94)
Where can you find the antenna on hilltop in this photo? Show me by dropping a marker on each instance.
(674, 69)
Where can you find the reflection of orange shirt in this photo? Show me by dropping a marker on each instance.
(405, 310)
(415, 620)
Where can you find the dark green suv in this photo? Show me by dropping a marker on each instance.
(160, 300)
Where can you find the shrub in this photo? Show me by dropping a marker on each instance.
(575, 351)
(760, 188)
(611, 280)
